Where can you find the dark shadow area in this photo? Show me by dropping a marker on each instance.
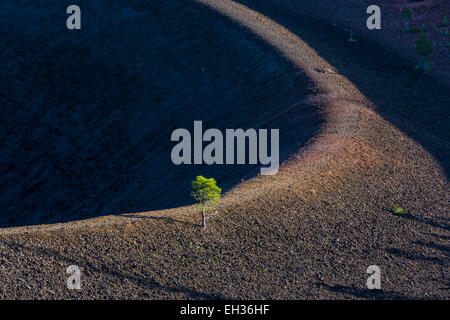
(409, 254)
(86, 116)
(431, 245)
(416, 103)
(431, 222)
(88, 267)
(435, 222)
(365, 293)
(438, 236)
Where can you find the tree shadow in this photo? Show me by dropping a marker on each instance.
(409, 254)
(438, 236)
(431, 222)
(431, 245)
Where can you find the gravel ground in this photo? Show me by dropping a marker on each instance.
(309, 232)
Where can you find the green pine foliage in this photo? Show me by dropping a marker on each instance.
(207, 194)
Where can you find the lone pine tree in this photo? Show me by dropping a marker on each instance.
(207, 193)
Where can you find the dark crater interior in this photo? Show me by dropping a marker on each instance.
(86, 116)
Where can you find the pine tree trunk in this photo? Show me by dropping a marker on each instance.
(203, 219)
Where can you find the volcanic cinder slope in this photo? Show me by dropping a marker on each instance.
(310, 231)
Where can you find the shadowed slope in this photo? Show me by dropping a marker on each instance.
(87, 115)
